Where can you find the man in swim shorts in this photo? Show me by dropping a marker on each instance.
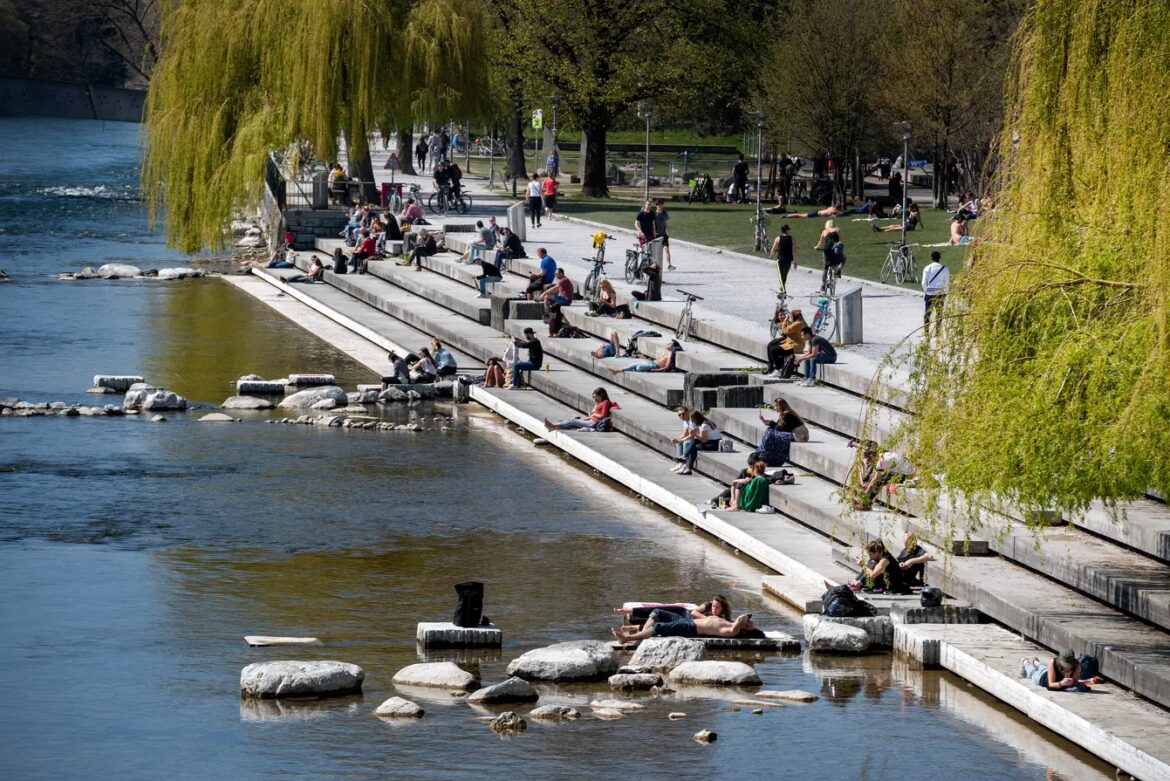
(663, 623)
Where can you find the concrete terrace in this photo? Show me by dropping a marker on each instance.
(1101, 588)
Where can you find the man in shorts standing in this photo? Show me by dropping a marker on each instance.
(661, 221)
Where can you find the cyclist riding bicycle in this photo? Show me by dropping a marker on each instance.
(442, 177)
(456, 174)
(834, 251)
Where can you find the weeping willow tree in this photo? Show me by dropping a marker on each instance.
(1049, 383)
(236, 80)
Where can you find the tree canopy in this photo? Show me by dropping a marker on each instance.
(1049, 383)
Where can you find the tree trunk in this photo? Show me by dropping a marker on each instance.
(361, 167)
(940, 176)
(405, 149)
(593, 184)
(515, 166)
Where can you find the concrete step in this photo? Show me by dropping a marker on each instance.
(1126, 732)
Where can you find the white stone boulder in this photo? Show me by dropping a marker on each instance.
(246, 402)
(790, 695)
(554, 713)
(666, 653)
(217, 417)
(706, 736)
(300, 679)
(162, 399)
(508, 722)
(879, 628)
(364, 396)
(634, 681)
(622, 705)
(398, 708)
(312, 396)
(832, 637)
(116, 382)
(443, 675)
(709, 673)
(119, 271)
(576, 660)
(511, 690)
(181, 272)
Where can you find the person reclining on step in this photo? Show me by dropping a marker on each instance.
(606, 304)
(598, 419)
(316, 273)
(1066, 673)
(663, 363)
(667, 624)
(636, 617)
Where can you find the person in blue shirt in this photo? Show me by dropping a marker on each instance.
(539, 281)
(444, 361)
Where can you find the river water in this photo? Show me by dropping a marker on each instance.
(135, 556)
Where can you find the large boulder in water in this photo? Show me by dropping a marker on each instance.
(511, 690)
(146, 397)
(119, 271)
(443, 675)
(577, 660)
(835, 638)
(246, 402)
(665, 653)
(183, 272)
(300, 679)
(311, 396)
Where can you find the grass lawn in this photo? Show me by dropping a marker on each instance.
(729, 226)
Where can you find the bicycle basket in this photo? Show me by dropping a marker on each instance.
(598, 239)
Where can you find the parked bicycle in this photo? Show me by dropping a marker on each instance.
(415, 191)
(824, 321)
(687, 316)
(759, 219)
(638, 259)
(780, 316)
(487, 147)
(593, 281)
(702, 189)
(899, 262)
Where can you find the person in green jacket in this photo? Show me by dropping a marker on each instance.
(750, 493)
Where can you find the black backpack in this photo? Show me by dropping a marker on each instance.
(841, 602)
(632, 348)
(469, 605)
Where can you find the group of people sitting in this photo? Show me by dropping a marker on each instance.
(879, 469)
(798, 346)
(425, 366)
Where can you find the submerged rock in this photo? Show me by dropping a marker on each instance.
(508, 722)
(217, 417)
(182, 272)
(300, 679)
(634, 681)
(791, 695)
(554, 713)
(444, 675)
(246, 402)
(311, 396)
(715, 674)
(398, 708)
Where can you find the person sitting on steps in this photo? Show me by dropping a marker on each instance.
(538, 281)
(819, 351)
(881, 573)
(427, 246)
(606, 304)
(750, 493)
(535, 356)
(399, 371)
(704, 436)
(316, 273)
(781, 349)
(598, 417)
(788, 421)
(559, 293)
(444, 360)
(913, 560)
(493, 373)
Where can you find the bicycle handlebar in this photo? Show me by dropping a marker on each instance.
(595, 261)
(689, 295)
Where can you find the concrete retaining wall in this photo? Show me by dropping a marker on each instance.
(38, 97)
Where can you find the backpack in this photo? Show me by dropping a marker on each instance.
(839, 251)
(632, 348)
(469, 604)
(841, 602)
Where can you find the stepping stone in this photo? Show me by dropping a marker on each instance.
(259, 641)
(444, 634)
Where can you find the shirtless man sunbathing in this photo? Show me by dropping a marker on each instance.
(666, 624)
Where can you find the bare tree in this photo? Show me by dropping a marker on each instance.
(129, 30)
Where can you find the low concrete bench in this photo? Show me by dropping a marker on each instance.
(444, 634)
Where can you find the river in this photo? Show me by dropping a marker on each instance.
(135, 556)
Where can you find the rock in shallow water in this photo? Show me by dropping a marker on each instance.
(246, 402)
(791, 695)
(706, 736)
(300, 679)
(715, 674)
(554, 713)
(118, 271)
(831, 637)
(634, 681)
(398, 708)
(217, 417)
(444, 675)
(511, 690)
(576, 660)
(508, 722)
(665, 653)
(311, 396)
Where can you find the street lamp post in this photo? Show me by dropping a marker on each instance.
(906, 126)
(519, 139)
(646, 108)
(556, 104)
(491, 137)
(759, 165)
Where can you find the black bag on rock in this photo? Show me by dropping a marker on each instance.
(469, 604)
(931, 597)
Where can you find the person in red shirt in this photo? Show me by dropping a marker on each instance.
(548, 188)
(598, 419)
(367, 248)
(560, 292)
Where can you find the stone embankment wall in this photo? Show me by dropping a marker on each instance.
(36, 97)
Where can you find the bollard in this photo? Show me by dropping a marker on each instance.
(849, 319)
(516, 221)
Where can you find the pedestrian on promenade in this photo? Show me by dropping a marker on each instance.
(444, 144)
(784, 251)
(540, 280)
(661, 222)
(644, 223)
(552, 165)
(739, 180)
(549, 189)
(420, 153)
(433, 147)
(535, 356)
(820, 350)
(535, 204)
(598, 419)
(936, 279)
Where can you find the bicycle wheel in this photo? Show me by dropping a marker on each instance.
(684, 324)
(774, 326)
(631, 266)
(900, 268)
(435, 203)
(590, 291)
(911, 267)
(887, 268)
(463, 204)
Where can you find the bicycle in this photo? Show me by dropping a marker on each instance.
(824, 322)
(701, 189)
(760, 219)
(439, 201)
(687, 316)
(638, 259)
(899, 262)
(593, 281)
(780, 316)
(829, 286)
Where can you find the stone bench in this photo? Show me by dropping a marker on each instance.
(444, 634)
(116, 382)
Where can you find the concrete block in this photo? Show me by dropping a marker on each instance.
(914, 613)
(516, 221)
(702, 398)
(116, 382)
(740, 396)
(444, 634)
(362, 388)
(259, 388)
(525, 310)
(772, 641)
(713, 379)
(311, 380)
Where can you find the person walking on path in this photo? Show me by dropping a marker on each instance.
(936, 279)
(784, 251)
(535, 204)
(420, 153)
(553, 164)
(549, 188)
(661, 222)
(433, 146)
(739, 180)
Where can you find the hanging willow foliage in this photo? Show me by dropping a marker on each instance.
(1049, 385)
(236, 80)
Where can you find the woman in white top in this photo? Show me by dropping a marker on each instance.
(424, 369)
(684, 416)
(704, 436)
(535, 201)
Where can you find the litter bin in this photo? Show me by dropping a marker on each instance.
(656, 251)
(849, 316)
(320, 199)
